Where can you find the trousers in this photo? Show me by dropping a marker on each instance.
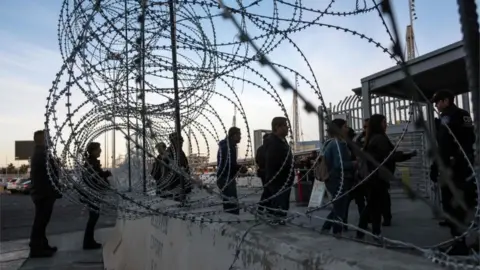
(279, 200)
(461, 172)
(228, 188)
(264, 202)
(43, 213)
(387, 206)
(340, 205)
(357, 195)
(376, 197)
(93, 216)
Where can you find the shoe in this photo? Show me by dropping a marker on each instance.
(387, 223)
(443, 223)
(92, 245)
(360, 236)
(43, 253)
(458, 249)
(53, 249)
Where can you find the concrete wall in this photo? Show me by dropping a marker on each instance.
(159, 243)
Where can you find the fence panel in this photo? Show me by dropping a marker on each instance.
(416, 171)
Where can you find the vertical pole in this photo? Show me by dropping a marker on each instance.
(113, 120)
(321, 126)
(127, 74)
(142, 94)
(178, 128)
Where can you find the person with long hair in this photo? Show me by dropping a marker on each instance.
(379, 146)
(95, 179)
(341, 170)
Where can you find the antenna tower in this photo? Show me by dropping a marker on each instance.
(234, 122)
(411, 47)
(296, 120)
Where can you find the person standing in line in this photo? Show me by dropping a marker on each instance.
(379, 146)
(341, 168)
(358, 194)
(279, 170)
(95, 179)
(171, 185)
(360, 138)
(43, 194)
(458, 122)
(158, 169)
(260, 160)
(227, 169)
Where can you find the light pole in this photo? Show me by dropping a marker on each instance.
(178, 127)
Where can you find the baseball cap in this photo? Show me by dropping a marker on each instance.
(442, 95)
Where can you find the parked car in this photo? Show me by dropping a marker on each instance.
(24, 186)
(11, 185)
(18, 184)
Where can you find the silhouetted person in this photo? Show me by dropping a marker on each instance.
(96, 182)
(260, 160)
(358, 194)
(360, 138)
(227, 169)
(43, 195)
(460, 124)
(279, 169)
(379, 146)
(158, 170)
(171, 185)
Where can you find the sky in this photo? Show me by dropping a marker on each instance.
(30, 60)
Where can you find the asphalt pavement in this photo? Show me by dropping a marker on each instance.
(17, 213)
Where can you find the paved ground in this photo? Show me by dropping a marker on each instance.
(14, 254)
(17, 212)
(413, 221)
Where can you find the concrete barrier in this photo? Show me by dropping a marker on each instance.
(167, 243)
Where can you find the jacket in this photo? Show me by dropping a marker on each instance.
(338, 160)
(460, 123)
(42, 184)
(260, 160)
(158, 168)
(227, 166)
(94, 177)
(379, 147)
(278, 162)
(172, 179)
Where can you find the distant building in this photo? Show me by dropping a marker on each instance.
(308, 145)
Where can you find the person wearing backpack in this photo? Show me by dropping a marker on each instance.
(338, 172)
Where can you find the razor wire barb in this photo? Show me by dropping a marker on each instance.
(106, 45)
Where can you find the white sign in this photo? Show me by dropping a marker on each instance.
(318, 193)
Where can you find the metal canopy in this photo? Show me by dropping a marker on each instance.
(440, 69)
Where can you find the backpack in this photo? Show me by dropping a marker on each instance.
(321, 170)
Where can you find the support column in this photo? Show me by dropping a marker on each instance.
(366, 101)
(321, 125)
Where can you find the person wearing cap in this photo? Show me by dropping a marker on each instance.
(458, 122)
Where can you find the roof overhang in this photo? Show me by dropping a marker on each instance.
(441, 69)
